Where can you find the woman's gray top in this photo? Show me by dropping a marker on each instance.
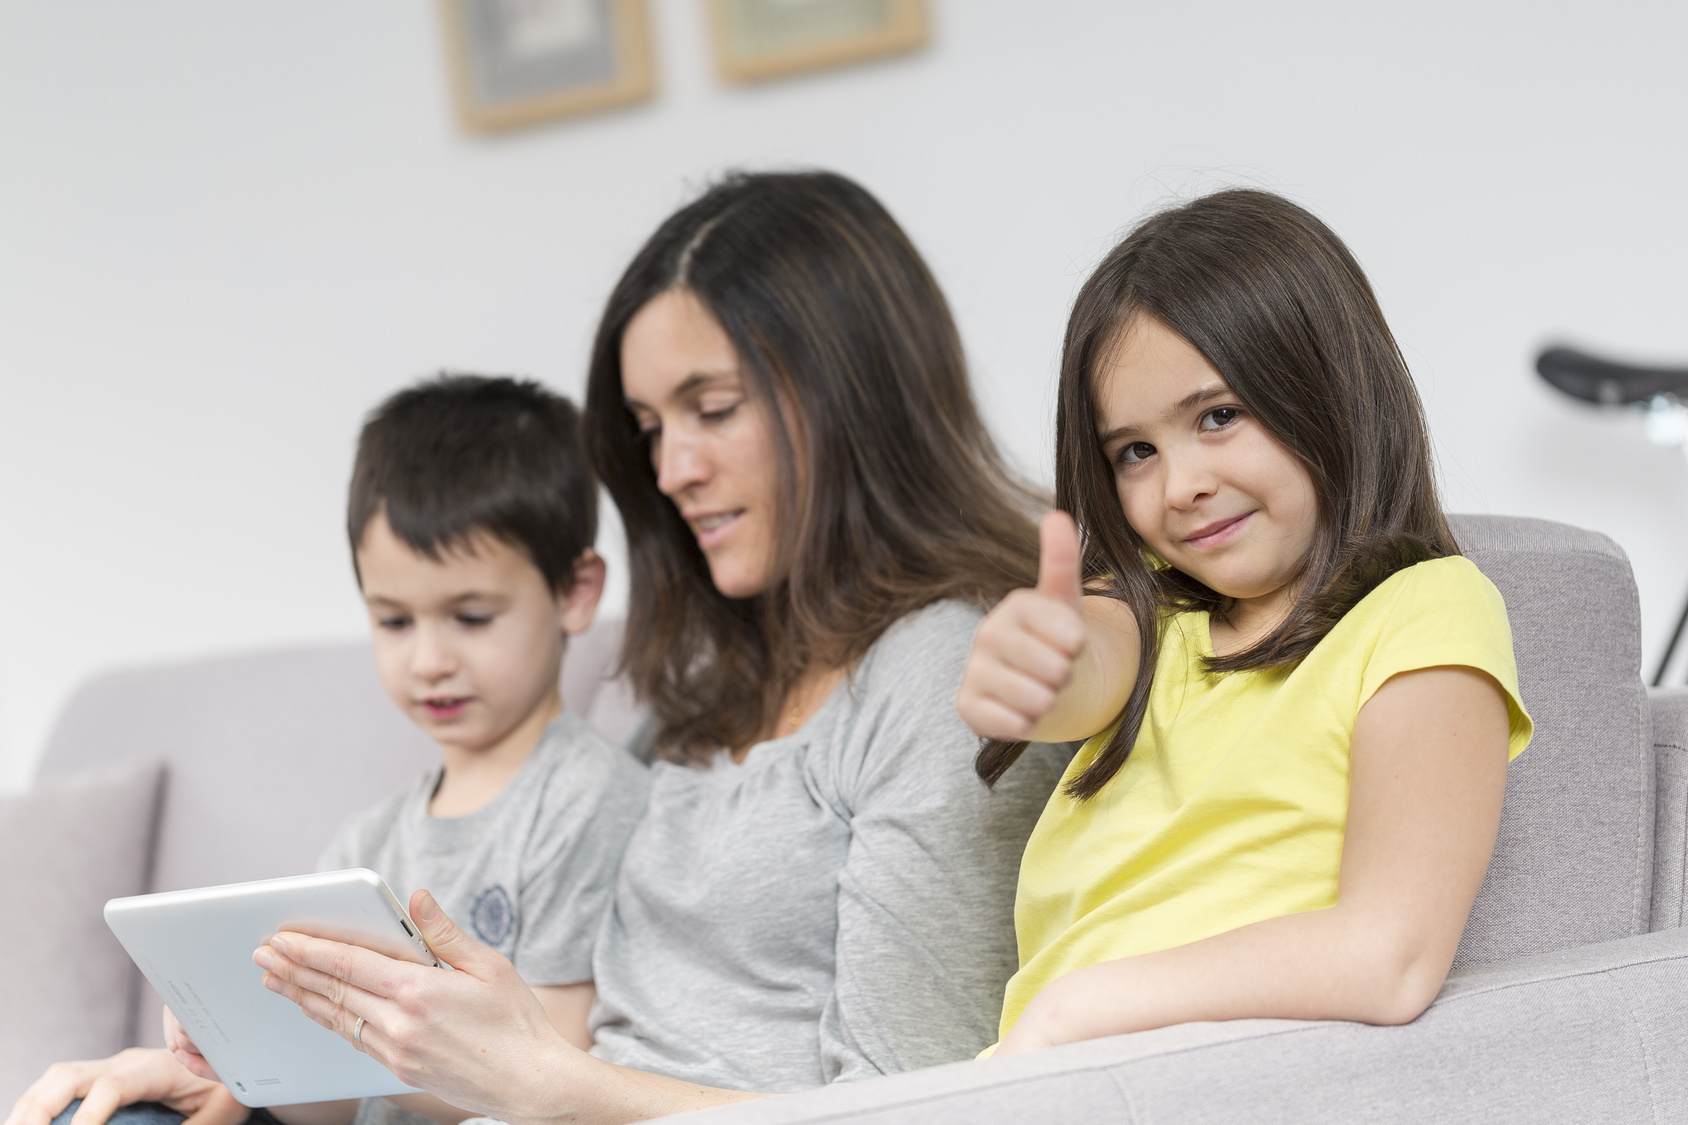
(841, 904)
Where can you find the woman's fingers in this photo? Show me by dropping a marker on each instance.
(328, 966)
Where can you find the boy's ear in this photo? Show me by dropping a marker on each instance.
(581, 602)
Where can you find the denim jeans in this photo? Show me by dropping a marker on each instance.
(151, 1113)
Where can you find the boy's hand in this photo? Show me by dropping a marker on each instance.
(176, 1041)
(1025, 649)
(135, 1075)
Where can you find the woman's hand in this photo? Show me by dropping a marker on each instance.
(478, 1038)
(135, 1075)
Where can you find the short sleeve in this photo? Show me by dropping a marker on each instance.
(925, 939)
(591, 805)
(1446, 613)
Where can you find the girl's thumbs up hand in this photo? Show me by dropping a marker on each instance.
(1024, 651)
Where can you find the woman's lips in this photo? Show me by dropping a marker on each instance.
(712, 529)
(1216, 533)
(448, 708)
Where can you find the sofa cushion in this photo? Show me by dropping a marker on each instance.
(65, 848)
(1670, 832)
(1573, 863)
(1588, 1035)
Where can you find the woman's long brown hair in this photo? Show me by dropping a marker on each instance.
(893, 494)
(1278, 305)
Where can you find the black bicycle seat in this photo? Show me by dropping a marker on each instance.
(1583, 376)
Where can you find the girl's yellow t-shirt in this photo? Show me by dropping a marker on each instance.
(1232, 805)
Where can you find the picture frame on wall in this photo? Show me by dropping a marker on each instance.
(519, 62)
(760, 39)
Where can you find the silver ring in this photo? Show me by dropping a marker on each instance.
(357, 1032)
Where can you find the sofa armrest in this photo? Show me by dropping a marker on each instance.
(1670, 826)
(1595, 1033)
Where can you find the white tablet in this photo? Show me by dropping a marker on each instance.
(196, 948)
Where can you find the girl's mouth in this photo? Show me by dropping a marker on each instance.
(711, 529)
(1219, 532)
(445, 707)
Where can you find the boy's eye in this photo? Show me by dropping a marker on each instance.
(474, 620)
(1134, 452)
(1219, 417)
(392, 624)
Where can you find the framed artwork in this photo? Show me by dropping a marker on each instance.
(517, 62)
(757, 39)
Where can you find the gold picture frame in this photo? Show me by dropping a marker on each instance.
(760, 39)
(519, 62)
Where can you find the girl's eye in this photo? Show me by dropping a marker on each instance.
(719, 414)
(1220, 417)
(474, 620)
(1135, 452)
(392, 624)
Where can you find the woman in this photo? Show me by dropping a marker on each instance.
(821, 889)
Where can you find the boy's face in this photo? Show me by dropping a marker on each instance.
(470, 645)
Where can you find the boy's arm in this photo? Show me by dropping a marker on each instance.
(1050, 664)
(568, 1005)
(1428, 770)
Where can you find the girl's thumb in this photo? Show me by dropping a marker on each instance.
(445, 937)
(1057, 567)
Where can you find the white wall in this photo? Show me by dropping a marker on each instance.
(227, 230)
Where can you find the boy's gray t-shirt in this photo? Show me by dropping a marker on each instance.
(841, 904)
(530, 873)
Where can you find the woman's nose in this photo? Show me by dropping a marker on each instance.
(680, 464)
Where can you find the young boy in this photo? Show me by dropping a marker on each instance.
(471, 518)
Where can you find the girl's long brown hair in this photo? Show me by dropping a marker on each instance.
(1278, 305)
(893, 494)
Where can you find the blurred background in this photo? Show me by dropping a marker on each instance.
(226, 231)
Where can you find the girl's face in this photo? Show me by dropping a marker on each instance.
(1198, 477)
(710, 442)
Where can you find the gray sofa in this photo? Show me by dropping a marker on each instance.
(1569, 999)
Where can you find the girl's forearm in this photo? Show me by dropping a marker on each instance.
(1320, 964)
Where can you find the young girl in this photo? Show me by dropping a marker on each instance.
(1300, 700)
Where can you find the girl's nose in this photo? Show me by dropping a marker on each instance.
(1189, 479)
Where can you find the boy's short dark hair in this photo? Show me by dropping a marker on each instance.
(461, 454)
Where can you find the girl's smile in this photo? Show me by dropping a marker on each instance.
(1203, 483)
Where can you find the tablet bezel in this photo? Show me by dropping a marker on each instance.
(196, 946)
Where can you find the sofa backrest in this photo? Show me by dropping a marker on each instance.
(1574, 861)
(266, 754)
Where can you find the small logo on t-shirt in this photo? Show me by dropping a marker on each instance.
(493, 916)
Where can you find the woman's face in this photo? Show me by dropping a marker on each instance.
(1198, 477)
(711, 442)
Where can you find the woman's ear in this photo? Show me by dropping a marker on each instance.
(577, 607)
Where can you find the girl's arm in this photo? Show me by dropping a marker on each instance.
(1427, 773)
(1050, 664)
